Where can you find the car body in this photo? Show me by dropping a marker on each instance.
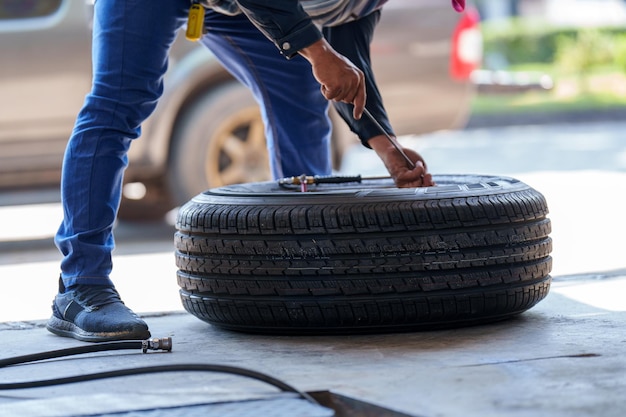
(205, 131)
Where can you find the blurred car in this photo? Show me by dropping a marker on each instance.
(207, 130)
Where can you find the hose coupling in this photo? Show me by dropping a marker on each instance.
(164, 343)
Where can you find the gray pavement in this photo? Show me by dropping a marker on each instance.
(564, 357)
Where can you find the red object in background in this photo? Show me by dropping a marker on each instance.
(467, 49)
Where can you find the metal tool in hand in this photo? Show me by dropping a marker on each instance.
(410, 163)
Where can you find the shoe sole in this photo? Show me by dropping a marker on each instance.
(69, 329)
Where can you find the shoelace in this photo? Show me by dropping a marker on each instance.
(97, 296)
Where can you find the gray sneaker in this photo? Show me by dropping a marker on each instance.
(94, 313)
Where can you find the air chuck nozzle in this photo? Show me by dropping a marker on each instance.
(164, 343)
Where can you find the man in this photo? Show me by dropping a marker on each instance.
(131, 40)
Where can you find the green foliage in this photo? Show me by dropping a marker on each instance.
(580, 56)
(620, 51)
(591, 48)
(520, 41)
(544, 102)
(587, 65)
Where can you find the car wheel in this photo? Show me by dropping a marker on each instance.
(220, 140)
(346, 258)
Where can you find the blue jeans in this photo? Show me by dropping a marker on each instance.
(131, 41)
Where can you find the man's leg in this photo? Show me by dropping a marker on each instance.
(131, 39)
(294, 111)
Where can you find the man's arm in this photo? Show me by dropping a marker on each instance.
(291, 29)
(396, 165)
(340, 79)
(284, 22)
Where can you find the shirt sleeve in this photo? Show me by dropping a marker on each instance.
(284, 22)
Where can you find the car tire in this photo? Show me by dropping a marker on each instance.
(219, 140)
(346, 258)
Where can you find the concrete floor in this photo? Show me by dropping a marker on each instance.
(564, 357)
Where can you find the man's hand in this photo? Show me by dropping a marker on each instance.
(340, 79)
(402, 175)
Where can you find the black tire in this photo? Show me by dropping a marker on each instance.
(368, 258)
(220, 140)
